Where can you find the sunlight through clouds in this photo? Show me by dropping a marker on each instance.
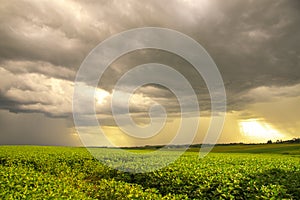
(254, 43)
(258, 130)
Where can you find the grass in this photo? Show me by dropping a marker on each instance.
(291, 149)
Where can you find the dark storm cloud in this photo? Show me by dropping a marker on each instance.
(39, 30)
(262, 43)
(254, 43)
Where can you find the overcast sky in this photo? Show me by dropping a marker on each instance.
(254, 43)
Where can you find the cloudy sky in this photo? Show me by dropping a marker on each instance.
(254, 43)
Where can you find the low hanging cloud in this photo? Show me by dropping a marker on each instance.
(34, 92)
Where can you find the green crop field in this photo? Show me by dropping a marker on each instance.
(292, 149)
(31, 172)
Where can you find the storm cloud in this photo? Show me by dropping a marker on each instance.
(255, 45)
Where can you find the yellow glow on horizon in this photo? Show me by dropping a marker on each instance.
(256, 129)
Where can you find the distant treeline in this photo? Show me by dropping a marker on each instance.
(292, 141)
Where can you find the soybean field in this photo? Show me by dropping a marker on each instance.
(36, 172)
